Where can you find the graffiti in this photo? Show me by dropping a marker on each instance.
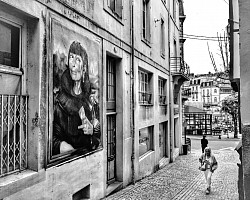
(76, 61)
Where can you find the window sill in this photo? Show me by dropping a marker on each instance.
(18, 181)
(146, 154)
(146, 42)
(146, 104)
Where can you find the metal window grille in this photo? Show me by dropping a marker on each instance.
(111, 148)
(111, 120)
(13, 133)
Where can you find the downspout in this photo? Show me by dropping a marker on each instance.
(132, 99)
(170, 95)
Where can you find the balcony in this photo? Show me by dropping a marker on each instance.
(186, 93)
(179, 66)
(162, 99)
(180, 72)
(145, 98)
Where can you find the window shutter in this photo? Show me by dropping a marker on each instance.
(118, 8)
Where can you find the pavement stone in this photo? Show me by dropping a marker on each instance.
(181, 180)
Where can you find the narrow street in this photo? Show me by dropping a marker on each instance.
(183, 180)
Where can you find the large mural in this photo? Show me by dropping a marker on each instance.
(76, 114)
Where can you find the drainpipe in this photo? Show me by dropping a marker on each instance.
(132, 99)
(170, 96)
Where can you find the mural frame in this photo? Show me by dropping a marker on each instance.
(56, 27)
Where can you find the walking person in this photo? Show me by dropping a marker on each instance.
(204, 143)
(208, 165)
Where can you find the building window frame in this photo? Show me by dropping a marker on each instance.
(14, 102)
(146, 140)
(114, 8)
(162, 91)
(174, 10)
(146, 25)
(144, 90)
(162, 38)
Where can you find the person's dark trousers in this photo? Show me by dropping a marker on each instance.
(203, 148)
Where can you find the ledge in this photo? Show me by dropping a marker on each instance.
(114, 187)
(13, 183)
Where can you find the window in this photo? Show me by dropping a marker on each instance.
(145, 140)
(145, 96)
(116, 7)
(111, 119)
(162, 38)
(174, 9)
(13, 104)
(215, 91)
(208, 92)
(215, 99)
(163, 139)
(146, 20)
(161, 88)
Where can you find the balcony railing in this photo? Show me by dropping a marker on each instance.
(178, 65)
(162, 99)
(145, 98)
(13, 133)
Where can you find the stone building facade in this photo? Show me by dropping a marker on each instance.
(90, 95)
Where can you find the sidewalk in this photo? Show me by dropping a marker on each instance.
(183, 180)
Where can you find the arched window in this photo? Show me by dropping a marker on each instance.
(215, 99)
(215, 90)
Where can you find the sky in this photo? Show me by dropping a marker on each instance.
(204, 18)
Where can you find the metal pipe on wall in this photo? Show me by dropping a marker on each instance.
(132, 102)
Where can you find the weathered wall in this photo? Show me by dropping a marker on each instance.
(91, 20)
(63, 181)
(244, 9)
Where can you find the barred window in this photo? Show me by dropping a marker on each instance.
(13, 105)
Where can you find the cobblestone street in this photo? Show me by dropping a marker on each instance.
(183, 180)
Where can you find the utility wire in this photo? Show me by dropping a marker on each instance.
(226, 2)
(206, 39)
(201, 36)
